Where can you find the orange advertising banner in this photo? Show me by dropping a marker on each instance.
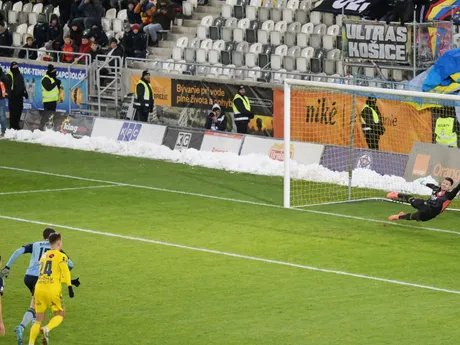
(326, 118)
(161, 88)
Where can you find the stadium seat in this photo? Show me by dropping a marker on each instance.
(251, 32)
(7, 6)
(289, 11)
(277, 11)
(30, 29)
(202, 52)
(123, 15)
(328, 19)
(316, 65)
(276, 60)
(302, 64)
(12, 17)
(178, 50)
(239, 10)
(369, 72)
(21, 29)
(48, 10)
(252, 9)
(23, 18)
(38, 8)
(316, 17)
(251, 57)
(339, 20)
(17, 39)
(227, 30)
(33, 18)
(203, 28)
(215, 70)
(265, 10)
(110, 34)
(263, 35)
(106, 24)
(306, 5)
(1, 5)
(117, 25)
(290, 36)
(214, 53)
(17, 7)
(111, 13)
(301, 16)
(187, 10)
(228, 72)
(241, 73)
(253, 74)
(328, 42)
(119, 35)
(239, 53)
(339, 68)
(320, 29)
(227, 9)
(216, 28)
(226, 54)
(239, 33)
(56, 11)
(329, 66)
(202, 70)
(276, 36)
(279, 76)
(289, 61)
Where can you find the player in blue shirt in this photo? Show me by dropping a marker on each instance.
(2, 326)
(36, 249)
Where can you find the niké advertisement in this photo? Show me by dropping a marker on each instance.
(33, 75)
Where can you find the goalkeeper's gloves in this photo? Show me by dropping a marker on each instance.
(71, 294)
(5, 272)
(75, 282)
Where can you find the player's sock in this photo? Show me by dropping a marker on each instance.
(54, 322)
(34, 332)
(405, 197)
(407, 216)
(28, 317)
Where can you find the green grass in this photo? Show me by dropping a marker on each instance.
(135, 292)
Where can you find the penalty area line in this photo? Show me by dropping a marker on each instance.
(397, 224)
(56, 190)
(235, 255)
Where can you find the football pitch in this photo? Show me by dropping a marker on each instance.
(171, 254)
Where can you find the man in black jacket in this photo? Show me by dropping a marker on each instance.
(55, 31)
(31, 54)
(6, 39)
(216, 121)
(242, 110)
(16, 90)
(99, 35)
(143, 101)
(41, 30)
(136, 43)
(372, 123)
(50, 89)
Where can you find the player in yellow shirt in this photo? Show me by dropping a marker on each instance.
(48, 291)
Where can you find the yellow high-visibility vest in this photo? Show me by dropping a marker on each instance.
(445, 134)
(146, 91)
(375, 115)
(50, 96)
(246, 103)
(12, 79)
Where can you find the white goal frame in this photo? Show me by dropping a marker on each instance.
(289, 83)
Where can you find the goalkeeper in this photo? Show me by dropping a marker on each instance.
(427, 209)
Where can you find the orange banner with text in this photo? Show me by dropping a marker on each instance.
(326, 118)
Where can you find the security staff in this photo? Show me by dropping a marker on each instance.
(446, 129)
(372, 123)
(143, 101)
(16, 90)
(242, 110)
(50, 89)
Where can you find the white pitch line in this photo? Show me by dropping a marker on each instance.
(235, 255)
(54, 190)
(232, 200)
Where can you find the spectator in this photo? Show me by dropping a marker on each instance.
(16, 90)
(76, 35)
(68, 47)
(54, 29)
(145, 9)
(91, 13)
(3, 96)
(133, 18)
(74, 12)
(99, 35)
(31, 54)
(216, 121)
(138, 43)
(64, 10)
(161, 20)
(85, 47)
(95, 51)
(6, 39)
(41, 30)
(56, 47)
(115, 49)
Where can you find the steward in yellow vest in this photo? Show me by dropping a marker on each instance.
(50, 89)
(372, 123)
(446, 131)
(242, 110)
(143, 98)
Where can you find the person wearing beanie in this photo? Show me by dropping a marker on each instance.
(29, 54)
(136, 43)
(16, 90)
(76, 34)
(133, 17)
(50, 89)
(161, 20)
(216, 121)
(55, 30)
(41, 30)
(242, 110)
(143, 98)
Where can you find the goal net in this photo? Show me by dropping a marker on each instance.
(351, 143)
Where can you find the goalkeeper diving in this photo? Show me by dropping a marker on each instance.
(428, 209)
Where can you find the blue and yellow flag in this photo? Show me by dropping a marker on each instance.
(443, 10)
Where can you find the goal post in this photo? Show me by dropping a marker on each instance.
(352, 143)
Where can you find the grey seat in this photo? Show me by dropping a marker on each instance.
(215, 29)
(226, 54)
(251, 32)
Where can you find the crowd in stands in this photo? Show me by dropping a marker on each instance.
(78, 29)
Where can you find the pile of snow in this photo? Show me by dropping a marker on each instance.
(253, 163)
